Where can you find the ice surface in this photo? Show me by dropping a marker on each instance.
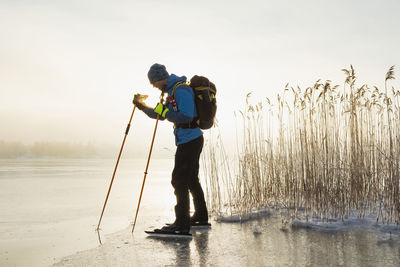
(49, 210)
(259, 242)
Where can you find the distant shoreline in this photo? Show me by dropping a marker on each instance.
(69, 150)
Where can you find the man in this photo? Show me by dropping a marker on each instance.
(180, 109)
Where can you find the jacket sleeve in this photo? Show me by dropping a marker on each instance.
(151, 113)
(185, 102)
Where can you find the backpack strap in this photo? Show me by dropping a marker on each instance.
(197, 91)
(202, 88)
(193, 123)
(172, 96)
(176, 86)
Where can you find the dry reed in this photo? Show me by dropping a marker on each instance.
(337, 152)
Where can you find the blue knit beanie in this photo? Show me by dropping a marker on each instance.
(157, 73)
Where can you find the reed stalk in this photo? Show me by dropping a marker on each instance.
(336, 154)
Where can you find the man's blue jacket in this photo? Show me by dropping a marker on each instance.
(186, 110)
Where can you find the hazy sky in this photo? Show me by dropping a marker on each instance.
(69, 69)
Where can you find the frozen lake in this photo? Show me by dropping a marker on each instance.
(50, 208)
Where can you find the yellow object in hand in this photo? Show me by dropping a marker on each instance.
(139, 99)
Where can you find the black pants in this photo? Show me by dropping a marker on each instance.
(185, 178)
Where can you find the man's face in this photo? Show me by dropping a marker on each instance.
(161, 85)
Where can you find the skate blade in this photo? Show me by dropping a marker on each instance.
(196, 226)
(201, 226)
(168, 235)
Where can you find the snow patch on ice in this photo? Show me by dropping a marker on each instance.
(235, 218)
(385, 233)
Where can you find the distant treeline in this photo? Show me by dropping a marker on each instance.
(73, 150)
(47, 149)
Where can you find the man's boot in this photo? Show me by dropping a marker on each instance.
(200, 215)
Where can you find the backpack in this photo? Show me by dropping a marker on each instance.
(205, 101)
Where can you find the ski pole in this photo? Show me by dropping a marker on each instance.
(116, 165)
(145, 173)
(147, 166)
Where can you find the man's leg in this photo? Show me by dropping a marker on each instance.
(179, 182)
(200, 214)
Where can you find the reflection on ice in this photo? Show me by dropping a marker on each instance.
(258, 242)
